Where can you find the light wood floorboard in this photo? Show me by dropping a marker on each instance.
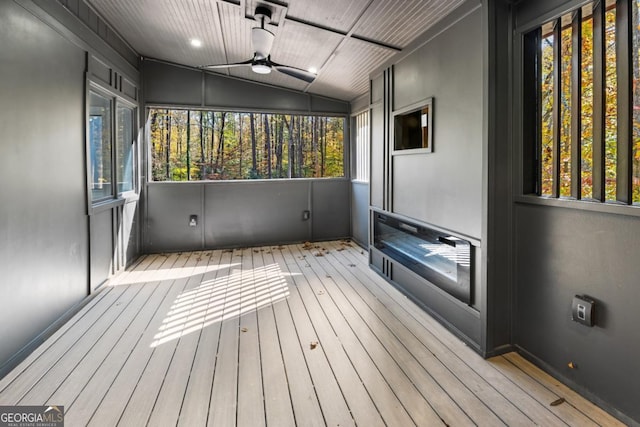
(315, 394)
(304, 335)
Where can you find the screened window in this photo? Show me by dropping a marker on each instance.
(361, 172)
(582, 138)
(189, 145)
(100, 146)
(111, 146)
(125, 144)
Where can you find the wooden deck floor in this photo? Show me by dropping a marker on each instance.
(293, 335)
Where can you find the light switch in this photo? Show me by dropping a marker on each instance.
(582, 310)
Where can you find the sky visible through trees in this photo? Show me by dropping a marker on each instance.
(190, 145)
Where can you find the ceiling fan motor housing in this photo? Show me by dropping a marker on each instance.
(262, 15)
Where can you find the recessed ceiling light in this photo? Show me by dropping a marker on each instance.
(196, 42)
(313, 70)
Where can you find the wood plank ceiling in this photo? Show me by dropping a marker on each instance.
(344, 40)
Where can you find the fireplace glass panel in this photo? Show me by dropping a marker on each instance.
(441, 258)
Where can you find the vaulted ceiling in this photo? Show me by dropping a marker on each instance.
(345, 40)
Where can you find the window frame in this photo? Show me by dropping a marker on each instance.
(106, 96)
(121, 102)
(527, 52)
(116, 196)
(149, 146)
(361, 163)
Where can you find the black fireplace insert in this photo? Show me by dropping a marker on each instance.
(439, 257)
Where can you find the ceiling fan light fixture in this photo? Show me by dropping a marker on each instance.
(262, 42)
(261, 68)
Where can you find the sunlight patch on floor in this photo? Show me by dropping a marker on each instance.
(176, 273)
(238, 293)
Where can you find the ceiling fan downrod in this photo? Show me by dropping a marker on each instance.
(262, 15)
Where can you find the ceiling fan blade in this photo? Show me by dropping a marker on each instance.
(262, 41)
(234, 65)
(298, 73)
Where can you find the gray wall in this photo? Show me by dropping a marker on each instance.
(43, 223)
(360, 212)
(239, 213)
(377, 149)
(168, 84)
(95, 23)
(564, 248)
(444, 188)
(244, 213)
(497, 202)
(45, 233)
(564, 252)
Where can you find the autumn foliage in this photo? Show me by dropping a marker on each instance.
(191, 145)
(566, 111)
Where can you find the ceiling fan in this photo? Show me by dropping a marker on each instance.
(262, 41)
